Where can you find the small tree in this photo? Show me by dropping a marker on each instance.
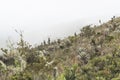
(49, 41)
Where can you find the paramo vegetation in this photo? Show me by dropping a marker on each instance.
(93, 54)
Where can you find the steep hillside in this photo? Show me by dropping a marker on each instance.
(93, 54)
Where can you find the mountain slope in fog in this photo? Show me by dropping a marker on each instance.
(92, 54)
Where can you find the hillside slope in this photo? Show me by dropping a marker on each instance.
(93, 54)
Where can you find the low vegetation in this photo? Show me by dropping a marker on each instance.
(93, 54)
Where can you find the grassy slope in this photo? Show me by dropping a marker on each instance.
(93, 54)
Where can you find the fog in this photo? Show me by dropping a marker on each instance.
(40, 19)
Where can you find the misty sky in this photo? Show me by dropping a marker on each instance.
(40, 19)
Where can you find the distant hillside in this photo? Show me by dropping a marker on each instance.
(93, 54)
